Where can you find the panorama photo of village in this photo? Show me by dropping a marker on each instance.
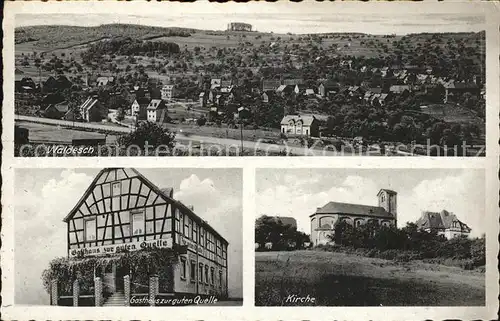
(88, 87)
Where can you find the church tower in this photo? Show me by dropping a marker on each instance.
(387, 199)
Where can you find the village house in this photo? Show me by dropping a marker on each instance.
(443, 223)
(91, 110)
(202, 99)
(284, 90)
(122, 212)
(157, 111)
(454, 88)
(293, 82)
(26, 84)
(56, 111)
(326, 88)
(270, 84)
(309, 92)
(103, 81)
(265, 98)
(215, 83)
(324, 220)
(139, 108)
(399, 89)
(300, 125)
(167, 92)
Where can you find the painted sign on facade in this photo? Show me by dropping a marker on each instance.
(117, 248)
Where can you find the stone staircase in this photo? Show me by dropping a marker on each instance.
(117, 299)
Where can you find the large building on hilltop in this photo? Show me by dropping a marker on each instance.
(239, 26)
(121, 211)
(443, 223)
(325, 218)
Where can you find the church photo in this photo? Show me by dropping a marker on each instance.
(370, 237)
(128, 237)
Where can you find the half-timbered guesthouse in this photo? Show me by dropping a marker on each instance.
(131, 243)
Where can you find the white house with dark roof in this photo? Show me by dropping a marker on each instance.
(156, 110)
(443, 223)
(324, 220)
(167, 92)
(306, 125)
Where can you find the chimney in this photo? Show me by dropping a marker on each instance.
(191, 207)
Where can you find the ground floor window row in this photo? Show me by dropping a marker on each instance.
(206, 273)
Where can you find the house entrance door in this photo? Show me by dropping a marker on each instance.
(109, 278)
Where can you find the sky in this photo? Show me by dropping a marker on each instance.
(278, 17)
(43, 197)
(298, 192)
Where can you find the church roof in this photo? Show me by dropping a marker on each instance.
(390, 191)
(353, 209)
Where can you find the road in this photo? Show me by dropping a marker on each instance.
(206, 142)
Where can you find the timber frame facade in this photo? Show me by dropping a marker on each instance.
(123, 211)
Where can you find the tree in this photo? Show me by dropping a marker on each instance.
(282, 236)
(120, 114)
(149, 132)
(201, 121)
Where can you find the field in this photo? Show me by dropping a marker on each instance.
(40, 133)
(337, 279)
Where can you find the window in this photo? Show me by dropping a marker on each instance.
(177, 221)
(200, 275)
(90, 230)
(220, 278)
(202, 236)
(192, 271)
(137, 223)
(186, 226)
(212, 275)
(183, 268)
(195, 232)
(206, 274)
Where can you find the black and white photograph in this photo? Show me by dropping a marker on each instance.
(203, 80)
(128, 237)
(370, 237)
(135, 174)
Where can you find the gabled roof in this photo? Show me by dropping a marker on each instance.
(353, 209)
(307, 120)
(88, 104)
(281, 88)
(460, 85)
(165, 193)
(142, 101)
(441, 220)
(389, 191)
(399, 88)
(155, 104)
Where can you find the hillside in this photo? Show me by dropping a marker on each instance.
(48, 38)
(337, 279)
